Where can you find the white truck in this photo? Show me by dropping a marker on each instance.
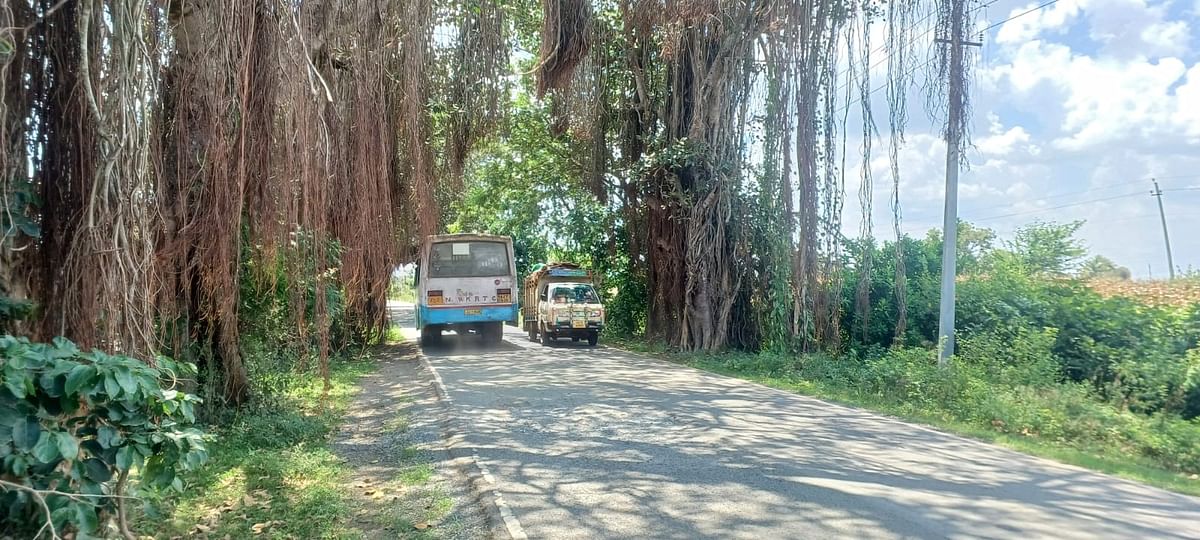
(560, 301)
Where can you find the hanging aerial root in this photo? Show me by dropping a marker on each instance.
(566, 39)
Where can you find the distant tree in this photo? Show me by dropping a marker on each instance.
(975, 244)
(1049, 248)
(1101, 267)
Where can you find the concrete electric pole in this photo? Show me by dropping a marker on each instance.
(1157, 193)
(956, 92)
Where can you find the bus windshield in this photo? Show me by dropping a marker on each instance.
(468, 259)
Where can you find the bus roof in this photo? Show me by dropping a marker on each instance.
(459, 237)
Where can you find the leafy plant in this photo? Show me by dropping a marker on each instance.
(75, 424)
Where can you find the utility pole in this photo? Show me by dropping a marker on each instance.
(956, 92)
(1157, 193)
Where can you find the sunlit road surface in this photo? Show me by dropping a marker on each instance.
(599, 443)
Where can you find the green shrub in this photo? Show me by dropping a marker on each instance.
(78, 423)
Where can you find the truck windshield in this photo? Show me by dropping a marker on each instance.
(468, 259)
(575, 293)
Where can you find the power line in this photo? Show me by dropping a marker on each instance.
(1061, 206)
(1106, 187)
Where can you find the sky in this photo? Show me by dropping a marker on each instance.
(1076, 107)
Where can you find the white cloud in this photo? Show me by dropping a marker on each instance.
(1105, 100)
(1123, 28)
(1170, 38)
(1029, 26)
(1005, 143)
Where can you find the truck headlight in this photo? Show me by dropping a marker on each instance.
(596, 313)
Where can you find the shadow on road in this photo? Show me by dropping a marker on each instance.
(601, 444)
(452, 344)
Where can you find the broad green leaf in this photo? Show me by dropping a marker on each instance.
(68, 446)
(20, 466)
(50, 385)
(88, 487)
(165, 477)
(92, 446)
(46, 449)
(108, 436)
(9, 414)
(194, 460)
(85, 517)
(189, 412)
(30, 228)
(61, 516)
(126, 457)
(111, 386)
(16, 362)
(25, 433)
(81, 376)
(15, 381)
(125, 379)
(97, 470)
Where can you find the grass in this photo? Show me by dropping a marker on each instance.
(272, 475)
(1109, 458)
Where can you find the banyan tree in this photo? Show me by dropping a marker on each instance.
(159, 157)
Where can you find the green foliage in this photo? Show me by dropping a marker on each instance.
(278, 454)
(1101, 267)
(279, 329)
(1049, 249)
(15, 219)
(922, 263)
(75, 422)
(13, 310)
(625, 312)
(402, 287)
(1131, 354)
(528, 186)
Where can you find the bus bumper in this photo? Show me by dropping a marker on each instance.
(464, 315)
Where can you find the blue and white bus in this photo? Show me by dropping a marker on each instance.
(466, 283)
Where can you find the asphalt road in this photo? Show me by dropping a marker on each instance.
(599, 443)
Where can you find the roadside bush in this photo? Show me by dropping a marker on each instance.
(74, 428)
(1023, 357)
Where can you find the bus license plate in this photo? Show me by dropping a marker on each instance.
(504, 298)
(473, 311)
(578, 324)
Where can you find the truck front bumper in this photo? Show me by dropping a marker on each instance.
(565, 328)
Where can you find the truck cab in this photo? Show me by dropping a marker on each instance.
(561, 302)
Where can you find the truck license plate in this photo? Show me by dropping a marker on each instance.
(578, 324)
(473, 312)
